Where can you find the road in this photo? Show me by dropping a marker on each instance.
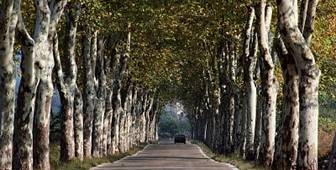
(167, 156)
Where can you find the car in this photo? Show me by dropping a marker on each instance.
(180, 139)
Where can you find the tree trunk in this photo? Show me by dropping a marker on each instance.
(45, 29)
(143, 117)
(309, 74)
(134, 113)
(110, 69)
(130, 117)
(223, 83)
(67, 84)
(44, 95)
(157, 129)
(106, 141)
(43, 103)
(232, 101)
(115, 121)
(250, 61)
(259, 121)
(127, 108)
(78, 124)
(243, 128)
(98, 119)
(122, 118)
(8, 21)
(287, 146)
(147, 114)
(213, 130)
(123, 113)
(270, 85)
(23, 131)
(238, 122)
(138, 120)
(43, 107)
(116, 104)
(88, 97)
(67, 99)
(251, 119)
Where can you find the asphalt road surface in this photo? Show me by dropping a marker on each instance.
(167, 156)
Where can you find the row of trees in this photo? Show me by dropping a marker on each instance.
(237, 109)
(176, 49)
(104, 111)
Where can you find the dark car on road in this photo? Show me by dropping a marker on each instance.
(180, 139)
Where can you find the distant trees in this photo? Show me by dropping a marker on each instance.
(172, 125)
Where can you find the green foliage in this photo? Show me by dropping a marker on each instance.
(168, 37)
(324, 41)
(170, 124)
(327, 123)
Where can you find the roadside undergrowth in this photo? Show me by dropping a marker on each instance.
(233, 159)
(86, 164)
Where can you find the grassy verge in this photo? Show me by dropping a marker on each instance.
(233, 159)
(86, 164)
(327, 128)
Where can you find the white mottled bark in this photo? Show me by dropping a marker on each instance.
(148, 120)
(23, 131)
(98, 119)
(47, 17)
(250, 46)
(134, 113)
(139, 115)
(123, 115)
(78, 124)
(306, 19)
(67, 99)
(288, 137)
(116, 102)
(309, 74)
(66, 83)
(89, 96)
(106, 141)
(127, 108)
(154, 113)
(270, 85)
(142, 129)
(110, 67)
(120, 109)
(232, 101)
(8, 20)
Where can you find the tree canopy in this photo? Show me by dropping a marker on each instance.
(168, 39)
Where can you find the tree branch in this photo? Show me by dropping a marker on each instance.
(309, 24)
